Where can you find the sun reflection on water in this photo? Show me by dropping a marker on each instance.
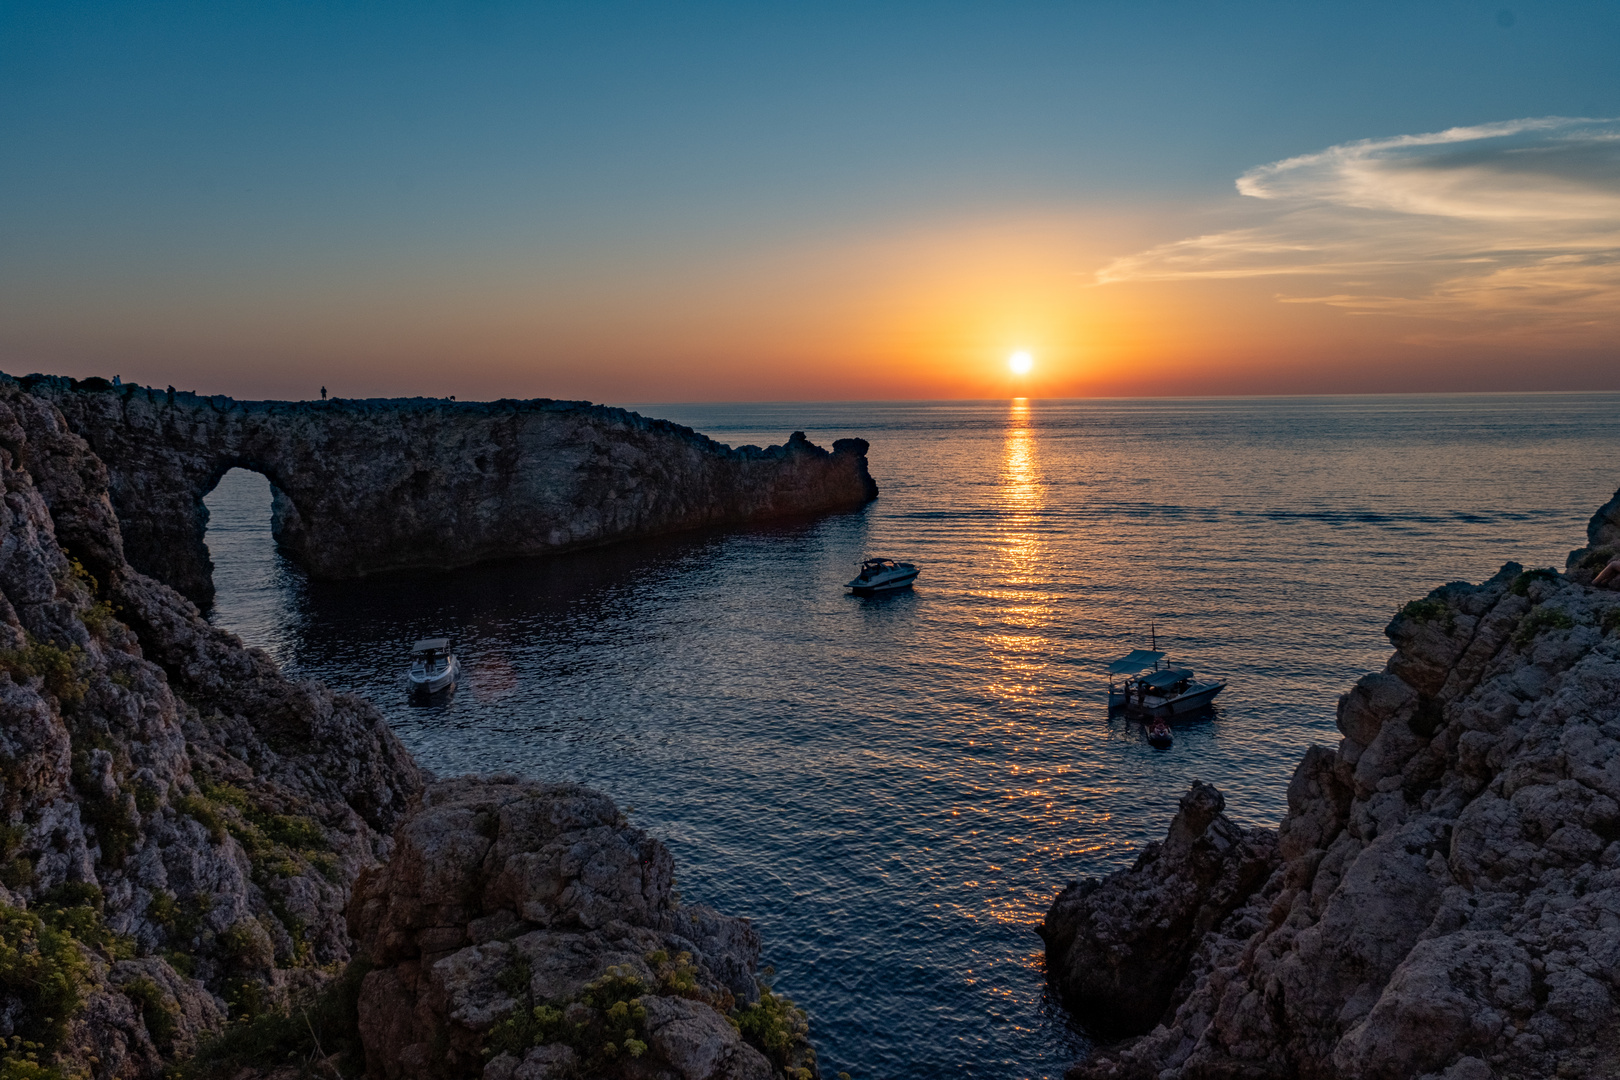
(1019, 630)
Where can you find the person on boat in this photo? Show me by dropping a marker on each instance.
(1608, 574)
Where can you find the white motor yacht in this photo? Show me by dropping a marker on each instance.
(882, 575)
(433, 666)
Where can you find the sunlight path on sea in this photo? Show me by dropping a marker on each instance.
(894, 789)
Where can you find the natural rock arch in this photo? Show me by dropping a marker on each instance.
(381, 484)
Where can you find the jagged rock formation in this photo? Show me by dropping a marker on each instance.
(366, 486)
(179, 824)
(1118, 948)
(1447, 901)
(524, 930)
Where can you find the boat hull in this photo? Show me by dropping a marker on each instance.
(432, 684)
(1193, 701)
(899, 581)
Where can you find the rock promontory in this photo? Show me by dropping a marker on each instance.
(1443, 898)
(383, 484)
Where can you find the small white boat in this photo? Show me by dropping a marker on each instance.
(1149, 690)
(882, 575)
(433, 666)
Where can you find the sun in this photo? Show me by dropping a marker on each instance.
(1020, 362)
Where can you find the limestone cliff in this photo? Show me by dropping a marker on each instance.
(1445, 896)
(179, 824)
(181, 828)
(366, 486)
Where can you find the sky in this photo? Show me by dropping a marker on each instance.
(626, 201)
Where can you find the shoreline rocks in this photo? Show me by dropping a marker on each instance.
(529, 926)
(1446, 898)
(362, 487)
(1118, 949)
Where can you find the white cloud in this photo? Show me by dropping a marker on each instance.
(1515, 222)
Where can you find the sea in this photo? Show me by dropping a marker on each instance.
(893, 789)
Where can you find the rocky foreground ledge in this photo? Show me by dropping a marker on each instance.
(1442, 899)
(210, 871)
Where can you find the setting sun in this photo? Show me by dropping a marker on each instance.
(1020, 362)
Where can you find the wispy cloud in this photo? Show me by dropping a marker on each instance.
(1513, 223)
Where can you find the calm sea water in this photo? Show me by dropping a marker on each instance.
(894, 789)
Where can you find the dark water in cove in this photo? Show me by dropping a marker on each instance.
(894, 789)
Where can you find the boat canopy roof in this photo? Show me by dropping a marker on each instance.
(1160, 680)
(878, 561)
(431, 645)
(1136, 660)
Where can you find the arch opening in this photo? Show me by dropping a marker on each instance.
(253, 581)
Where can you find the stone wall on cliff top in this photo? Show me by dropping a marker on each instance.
(366, 486)
(179, 824)
(1444, 900)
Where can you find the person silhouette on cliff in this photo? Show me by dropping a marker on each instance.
(323, 393)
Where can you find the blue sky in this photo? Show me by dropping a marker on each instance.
(165, 167)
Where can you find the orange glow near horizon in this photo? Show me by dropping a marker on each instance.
(934, 311)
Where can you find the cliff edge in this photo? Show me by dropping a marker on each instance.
(1443, 900)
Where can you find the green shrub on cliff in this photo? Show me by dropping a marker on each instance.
(44, 976)
(320, 1037)
(156, 1013)
(1426, 611)
(75, 908)
(607, 1018)
(278, 846)
(1521, 584)
(19, 1062)
(1539, 621)
(679, 978)
(780, 1030)
(58, 667)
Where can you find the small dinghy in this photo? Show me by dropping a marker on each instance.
(882, 575)
(1158, 734)
(433, 666)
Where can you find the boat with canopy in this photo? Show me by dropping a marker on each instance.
(1150, 690)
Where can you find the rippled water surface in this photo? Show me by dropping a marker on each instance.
(893, 789)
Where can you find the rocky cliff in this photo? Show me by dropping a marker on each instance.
(366, 486)
(181, 829)
(1443, 897)
(179, 824)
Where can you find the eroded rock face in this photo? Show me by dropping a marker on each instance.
(366, 486)
(506, 897)
(1117, 949)
(1448, 899)
(178, 818)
